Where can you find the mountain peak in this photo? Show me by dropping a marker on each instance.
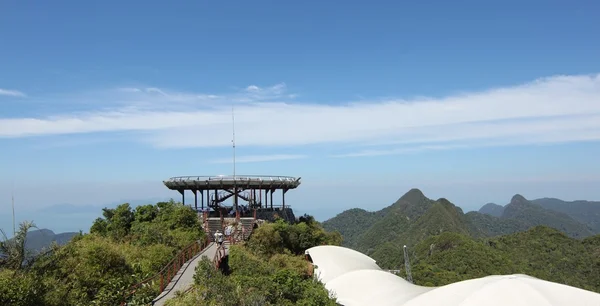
(444, 201)
(41, 231)
(517, 198)
(492, 209)
(414, 193)
(412, 204)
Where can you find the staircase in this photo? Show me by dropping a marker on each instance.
(214, 224)
(248, 226)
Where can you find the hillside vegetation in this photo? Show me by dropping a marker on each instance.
(531, 214)
(492, 209)
(414, 218)
(267, 270)
(585, 212)
(124, 247)
(541, 252)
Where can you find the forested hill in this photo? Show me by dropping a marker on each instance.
(415, 217)
(586, 212)
(445, 245)
(123, 247)
(127, 245)
(492, 209)
(38, 240)
(540, 252)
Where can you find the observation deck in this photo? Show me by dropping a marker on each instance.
(249, 188)
(221, 182)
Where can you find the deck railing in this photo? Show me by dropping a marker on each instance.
(169, 271)
(239, 178)
(219, 255)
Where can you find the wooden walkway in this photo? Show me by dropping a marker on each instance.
(184, 278)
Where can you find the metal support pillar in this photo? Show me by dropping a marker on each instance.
(235, 198)
(195, 199)
(283, 198)
(272, 191)
(266, 198)
(182, 196)
(208, 199)
(201, 200)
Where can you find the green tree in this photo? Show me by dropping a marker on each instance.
(120, 222)
(14, 249)
(146, 213)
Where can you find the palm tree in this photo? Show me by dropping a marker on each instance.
(13, 250)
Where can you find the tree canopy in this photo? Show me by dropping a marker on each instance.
(269, 269)
(125, 246)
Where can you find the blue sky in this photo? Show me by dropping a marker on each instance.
(466, 100)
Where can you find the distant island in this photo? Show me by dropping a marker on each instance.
(38, 240)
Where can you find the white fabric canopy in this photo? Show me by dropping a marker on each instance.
(501, 290)
(332, 261)
(356, 279)
(373, 287)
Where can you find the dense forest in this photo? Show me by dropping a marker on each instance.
(269, 269)
(415, 217)
(446, 245)
(128, 245)
(124, 246)
(540, 252)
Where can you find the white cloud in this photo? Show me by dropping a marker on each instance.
(277, 89)
(130, 89)
(553, 109)
(156, 90)
(258, 158)
(12, 93)
(252, 88)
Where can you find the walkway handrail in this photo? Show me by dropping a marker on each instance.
(167, 273)
(219, 255)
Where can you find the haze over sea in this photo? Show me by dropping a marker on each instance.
(101, 101)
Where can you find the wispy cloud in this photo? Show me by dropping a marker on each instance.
(129, 89)
(258, 158)
(402, 150)
(12, 93)
(547, 110)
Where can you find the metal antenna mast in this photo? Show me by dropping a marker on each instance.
(235, 195)
(12, 195)
(407, 266)
(233, 140)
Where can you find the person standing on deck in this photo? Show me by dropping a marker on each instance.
(219, 237)
(220, 240)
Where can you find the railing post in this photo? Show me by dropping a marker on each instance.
(169, 275)
(162, 282)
